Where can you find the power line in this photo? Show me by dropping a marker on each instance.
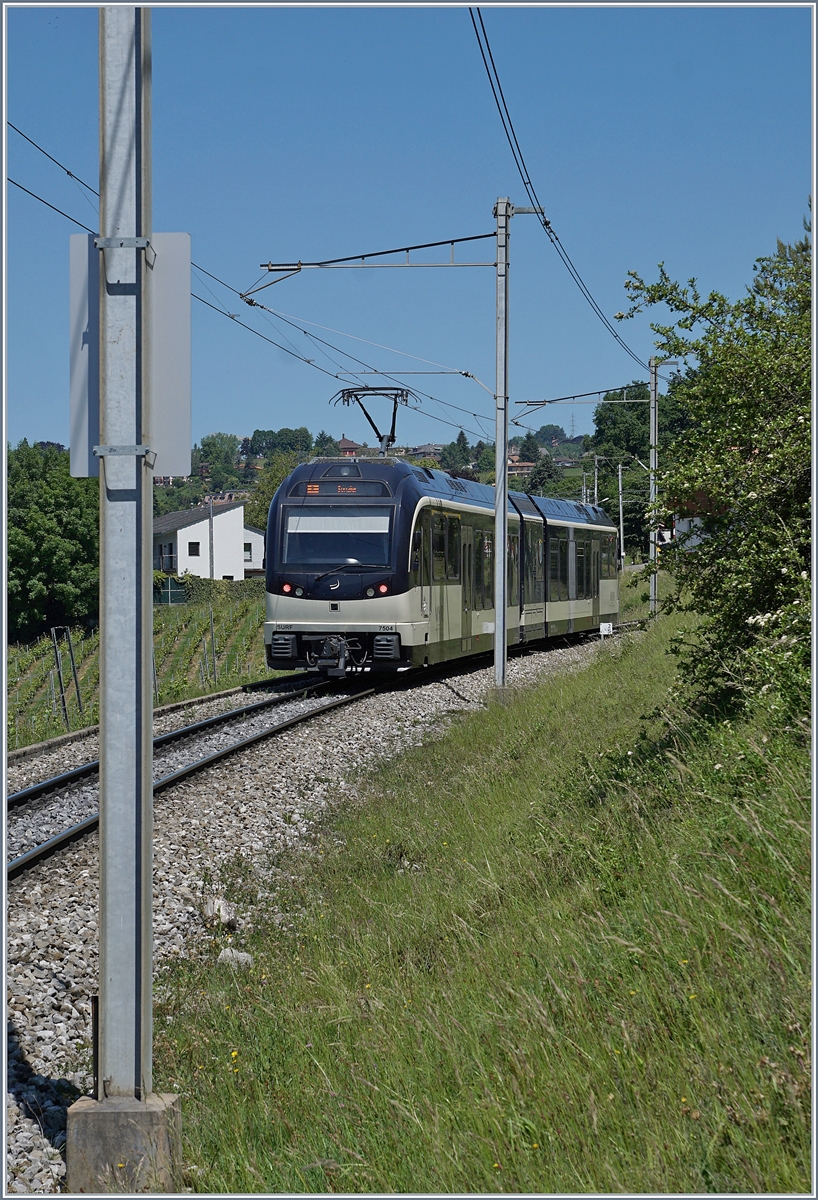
(53, 159)
(384, 374)
(52, 206)
(256, 304)
(263, 336)
(282, 316)
(519, 162)
(339, 376)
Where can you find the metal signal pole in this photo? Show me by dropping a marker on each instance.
(621, 522)
(126, 510)
(504, 210)
(125, 1139)
(653, 363)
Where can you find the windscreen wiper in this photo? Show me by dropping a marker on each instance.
(333, 570)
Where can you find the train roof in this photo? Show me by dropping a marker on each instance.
(440, 485)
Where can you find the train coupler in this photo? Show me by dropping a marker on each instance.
(332, 657)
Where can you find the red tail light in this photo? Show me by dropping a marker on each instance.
(286, 588)
(383, 588)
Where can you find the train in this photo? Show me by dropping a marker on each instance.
(378, 565)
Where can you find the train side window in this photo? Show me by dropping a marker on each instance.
(554, 570)
(584, 575)
(580, 570)
(453, 548)
(513, 574)
(478, 569)
(605, 558)
(416, 553)
(564, 569)
(438, 546)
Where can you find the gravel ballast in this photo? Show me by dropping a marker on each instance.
(256, 804)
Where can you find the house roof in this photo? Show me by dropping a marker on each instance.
(170, 522)
(346, 444)
(255, 529)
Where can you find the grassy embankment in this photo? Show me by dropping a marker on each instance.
(563, 948)
(182, 653)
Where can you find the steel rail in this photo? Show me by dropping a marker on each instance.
(85, 770)
(38, 854)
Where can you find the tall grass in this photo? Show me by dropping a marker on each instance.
(562, 948)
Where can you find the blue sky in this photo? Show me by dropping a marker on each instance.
(652, 134)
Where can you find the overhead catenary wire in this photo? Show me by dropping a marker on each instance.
(340, 375)
(519, 161)
(51, 206)
(62, 166)
(384, 374)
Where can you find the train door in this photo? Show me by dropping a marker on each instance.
(596, 566)
(422, 560)
(467, 590)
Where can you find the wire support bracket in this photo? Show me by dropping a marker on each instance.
(122, 451)
(122, 243)
(127, 243)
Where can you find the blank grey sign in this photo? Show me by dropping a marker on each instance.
(167, 401)
(83, 316)
(168, 425)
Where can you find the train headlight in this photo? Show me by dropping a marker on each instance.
(383, 588)
(286, 588)
(299, 591)
(370, 592)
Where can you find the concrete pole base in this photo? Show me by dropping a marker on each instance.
(124, 1145)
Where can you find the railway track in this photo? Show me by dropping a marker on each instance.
(36, 854)
(27, 796)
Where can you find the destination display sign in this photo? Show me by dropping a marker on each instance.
(341, 487)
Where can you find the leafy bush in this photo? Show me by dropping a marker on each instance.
(53, 542)
(743, 468)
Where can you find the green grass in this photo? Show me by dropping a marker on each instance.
(563, 948)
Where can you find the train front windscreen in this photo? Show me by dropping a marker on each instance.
(324, 535)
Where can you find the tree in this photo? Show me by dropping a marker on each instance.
(529, 449)
(326, 446)
(457, 454)
(220, 448)
(547, 433)
(278, 467)
(262, 441)
(743, 468)
(220, 452)
(545, 474)
(295, 441)
(487, 460)
(623, 429)
(53, 542)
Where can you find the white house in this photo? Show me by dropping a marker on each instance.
(182, 541)
(253, 551)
